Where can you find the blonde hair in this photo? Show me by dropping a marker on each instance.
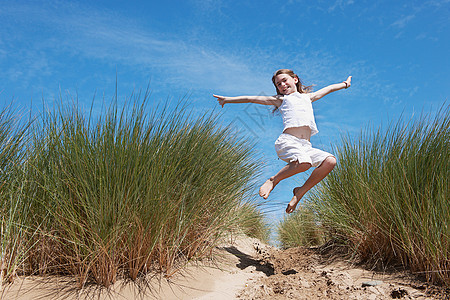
(300, 87)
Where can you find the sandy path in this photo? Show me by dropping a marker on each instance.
(248, 269)
(232, 268)
(301, 273)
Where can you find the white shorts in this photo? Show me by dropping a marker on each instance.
(290, 148)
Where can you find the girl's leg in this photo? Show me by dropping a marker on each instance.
(287, 171)
(316, 176)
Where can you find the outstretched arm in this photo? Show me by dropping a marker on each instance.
(331, 88)
(265, 100)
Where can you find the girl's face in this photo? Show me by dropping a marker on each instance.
(286, 84)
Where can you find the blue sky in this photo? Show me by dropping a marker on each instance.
(396, 51)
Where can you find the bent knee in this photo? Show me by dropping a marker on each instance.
(330, 161)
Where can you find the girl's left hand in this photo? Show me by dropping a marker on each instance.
(348, 82)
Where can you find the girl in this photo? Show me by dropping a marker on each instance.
(293, 146)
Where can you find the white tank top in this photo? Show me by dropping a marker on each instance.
(296, 111)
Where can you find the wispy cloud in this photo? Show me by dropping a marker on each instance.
(103, 36)
(403, 21)
(112, 39)
(340, 4)
(416, 10)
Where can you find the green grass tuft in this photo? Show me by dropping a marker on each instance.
(13, 212)
(301, 228)
(125, 194)
(388, 197)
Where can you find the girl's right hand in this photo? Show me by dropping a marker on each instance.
(221, 99)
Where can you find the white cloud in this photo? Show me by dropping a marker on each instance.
(403, 21)
(84, 32)
(340, 4)
(100, 35)
(93, 34)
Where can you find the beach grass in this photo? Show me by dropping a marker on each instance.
(301, 228)
(388, 197)
(14, 247)
(127, 193)
(253, 221)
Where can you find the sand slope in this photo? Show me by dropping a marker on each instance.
(247, 269)
(221, 278)
(301, 273)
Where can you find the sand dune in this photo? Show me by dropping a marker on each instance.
(248, 269)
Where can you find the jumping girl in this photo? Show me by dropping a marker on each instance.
(294, 101)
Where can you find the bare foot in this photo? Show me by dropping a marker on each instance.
(266, 188)
(294, 201)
